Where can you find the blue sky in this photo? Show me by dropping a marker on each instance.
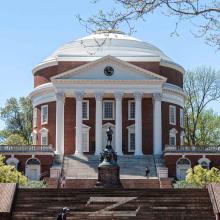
(32, 30)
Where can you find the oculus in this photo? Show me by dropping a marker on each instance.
(109, 71)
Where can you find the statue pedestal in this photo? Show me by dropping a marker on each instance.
(108, 170)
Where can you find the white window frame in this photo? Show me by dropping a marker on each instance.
(182, 135)
(86, 129)
(181, 118)
(172, 134)
(13, 160)
(172, 107)
(34, 117)
(206, 160)
(87, 104)
(44, 131)
(113, 109)
(131, 130)
(129, 109)
(42, 107)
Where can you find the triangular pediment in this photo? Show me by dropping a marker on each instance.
(96, 71)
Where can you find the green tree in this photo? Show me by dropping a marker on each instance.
(208, 129)
(200, 177)
(9, 174)
(201, 87)
(17, 116)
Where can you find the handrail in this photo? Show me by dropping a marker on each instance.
(26, 148)
(187, 148)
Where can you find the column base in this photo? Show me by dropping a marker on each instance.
(138, 153)
(78, 154)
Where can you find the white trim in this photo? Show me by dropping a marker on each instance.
(174, 108)
(85, 128)
(44, 122)
(172, 134)
(103, 110)
(87, 106)
(34, 137)
(30, 167)
(109, 58)
(172, 65)
(182, 168)
(129, 109)
(14, 160)
(131, 130)
(182, 136)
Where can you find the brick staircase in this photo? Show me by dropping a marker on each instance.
(106, 204)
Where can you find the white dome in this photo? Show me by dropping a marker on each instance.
(103, 43)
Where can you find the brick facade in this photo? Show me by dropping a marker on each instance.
(70, 123)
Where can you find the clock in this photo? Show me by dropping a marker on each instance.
(109, 71)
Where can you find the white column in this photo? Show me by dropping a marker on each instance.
(78, 146)
(138, 123)
(157, 130)
(60, 100)
(118, 123)
(98, 123)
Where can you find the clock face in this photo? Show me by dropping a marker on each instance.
(109, 71)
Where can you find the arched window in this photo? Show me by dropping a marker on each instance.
(182, 165)
(32, 169)
(44, 136)
(12, 161)
(172, 136)
(204, 162)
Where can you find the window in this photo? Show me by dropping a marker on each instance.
(108, 110)
(182, 136)
(131, 138)
(172, 115)
(172, 137)
(182, 165)
(35, 117)
(44, 114)
(34, 137)
(204, 162)
(181, 118)
(12, 161)
(44, 136)
(85, 109)
(131, 110)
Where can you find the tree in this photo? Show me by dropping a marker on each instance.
(200, 177)
(208, 129)
(203, 15)
(17, 116)
(201, 88)
(9, 174)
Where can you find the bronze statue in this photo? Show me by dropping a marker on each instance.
(109, 133)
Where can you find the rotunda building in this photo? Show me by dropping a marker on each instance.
(108, 80)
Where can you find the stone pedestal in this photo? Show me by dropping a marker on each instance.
(108, 170)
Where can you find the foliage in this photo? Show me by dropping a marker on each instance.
(17, 116)
(201, 87)
(9, 174)
(199, 177)
(35, 184)
(204, 16)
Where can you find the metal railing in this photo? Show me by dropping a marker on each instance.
(186, 148)
(26, 148)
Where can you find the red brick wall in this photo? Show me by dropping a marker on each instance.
(171, 160)
(165, 123)
(51, 125)
(43, 76)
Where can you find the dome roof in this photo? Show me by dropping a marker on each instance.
(103, 43)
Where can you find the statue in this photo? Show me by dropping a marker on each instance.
(109, 133)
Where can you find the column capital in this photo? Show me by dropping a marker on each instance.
(118, 95)
(138, 95)
(79, 95)
(60, 96)
(99, 95)
(157, 96)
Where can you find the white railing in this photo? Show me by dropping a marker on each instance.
(26, 148)
(186, 148)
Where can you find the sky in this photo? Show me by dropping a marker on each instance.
(31, 30)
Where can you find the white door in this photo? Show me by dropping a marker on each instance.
(104, 136)
(181, 171)
(32, 172)
(85, 140)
